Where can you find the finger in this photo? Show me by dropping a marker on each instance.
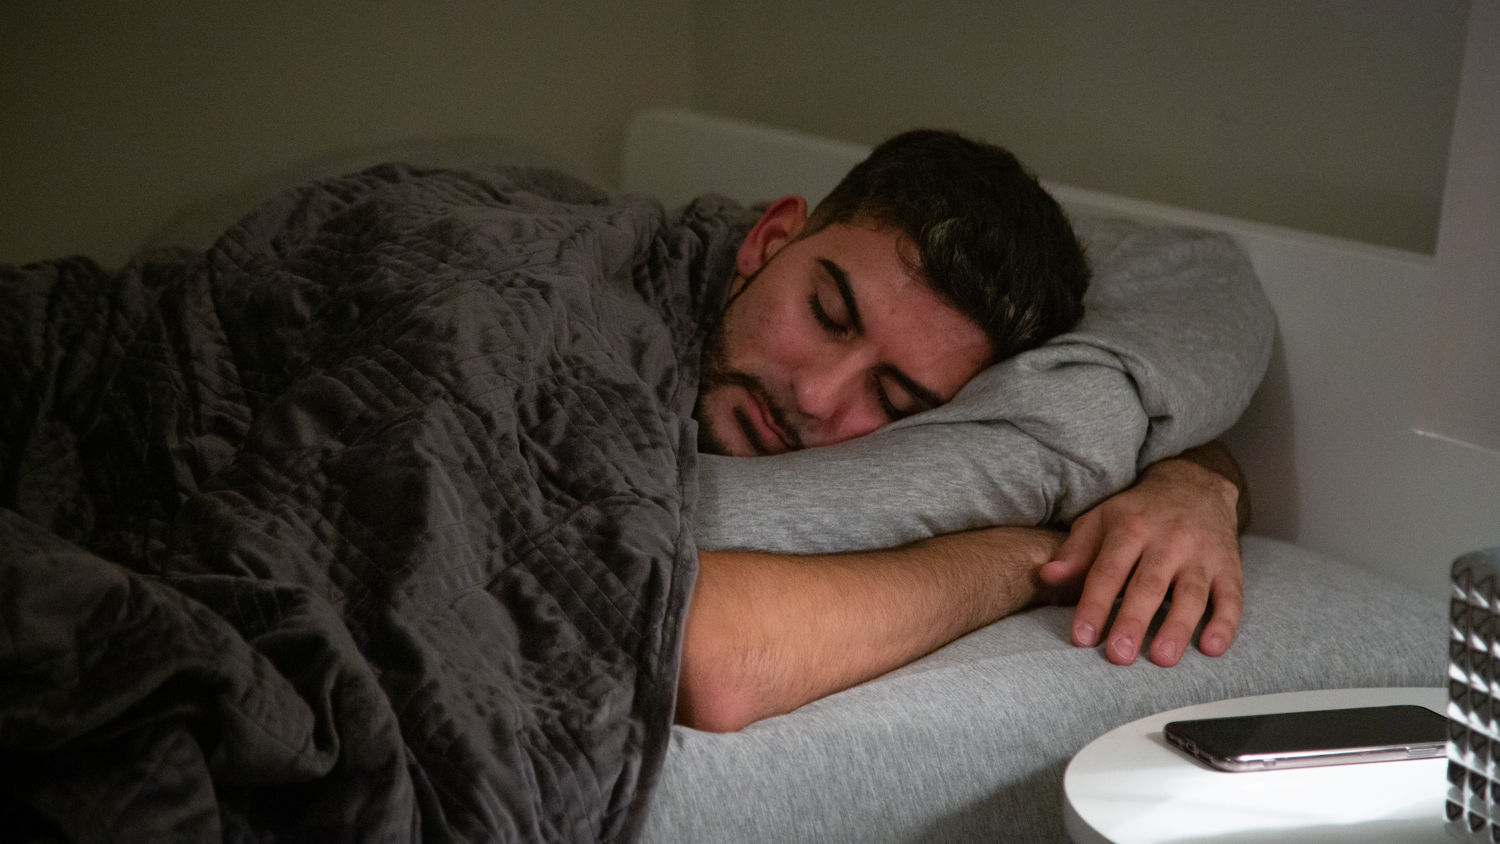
(1189, 602)
(1143, 597)
(1117, 558)
(1078, 550)
(1228, 604)
(1059, 589)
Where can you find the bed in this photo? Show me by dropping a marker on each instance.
(1356, 519)
(967, 744)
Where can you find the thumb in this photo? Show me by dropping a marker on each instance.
(1077, 552)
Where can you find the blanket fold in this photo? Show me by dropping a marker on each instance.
(372, 522)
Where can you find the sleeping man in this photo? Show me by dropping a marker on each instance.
(381, 517)
(933, 259)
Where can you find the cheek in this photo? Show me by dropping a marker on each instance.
(759, 332)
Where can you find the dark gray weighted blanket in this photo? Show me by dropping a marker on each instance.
(372, 523)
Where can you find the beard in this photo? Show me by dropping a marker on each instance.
(715, 374)
(713, 369)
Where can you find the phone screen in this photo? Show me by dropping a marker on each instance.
(1319, 737)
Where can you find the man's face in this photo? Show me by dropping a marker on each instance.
(825, 339)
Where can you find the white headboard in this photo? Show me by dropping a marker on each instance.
(1327, 444)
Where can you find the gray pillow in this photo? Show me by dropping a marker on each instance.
(1175, 338)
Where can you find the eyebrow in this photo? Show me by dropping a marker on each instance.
(925, 397)
(841, 279)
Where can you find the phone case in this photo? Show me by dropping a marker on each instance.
(1315, 738)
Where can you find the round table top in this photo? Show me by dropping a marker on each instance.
(1130, 787)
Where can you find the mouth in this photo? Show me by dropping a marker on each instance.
(758, 423)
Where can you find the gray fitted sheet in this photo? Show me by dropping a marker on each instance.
(970, 743)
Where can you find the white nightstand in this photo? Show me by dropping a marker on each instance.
(1130, 787)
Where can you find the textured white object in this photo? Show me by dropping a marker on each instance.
(1473, 805)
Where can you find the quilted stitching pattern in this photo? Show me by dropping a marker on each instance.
(370, 523)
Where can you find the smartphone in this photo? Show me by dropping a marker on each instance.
(1318, 737)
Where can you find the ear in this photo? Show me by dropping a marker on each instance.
(782, 221)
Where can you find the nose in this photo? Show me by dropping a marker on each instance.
(834, 396)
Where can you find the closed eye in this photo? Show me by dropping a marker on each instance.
(820, 314)
(844, 319)
(890, 410)
(887, 406)
(913, 397)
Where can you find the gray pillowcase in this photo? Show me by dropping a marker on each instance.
(1176, 336)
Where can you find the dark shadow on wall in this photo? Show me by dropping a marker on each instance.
(1262, 442)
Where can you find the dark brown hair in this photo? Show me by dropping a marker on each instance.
(989, 239)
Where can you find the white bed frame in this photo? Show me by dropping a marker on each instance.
(1333, 461)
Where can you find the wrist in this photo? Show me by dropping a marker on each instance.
(1002, 567)
(1207, 471)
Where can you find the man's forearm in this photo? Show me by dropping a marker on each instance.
(767, 633)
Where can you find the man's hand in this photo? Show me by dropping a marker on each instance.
(1175, 531)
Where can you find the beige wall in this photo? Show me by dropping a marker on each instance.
(115, 115)
(1331, 115)
(1462, 348)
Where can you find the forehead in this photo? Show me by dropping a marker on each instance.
(907, 323)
